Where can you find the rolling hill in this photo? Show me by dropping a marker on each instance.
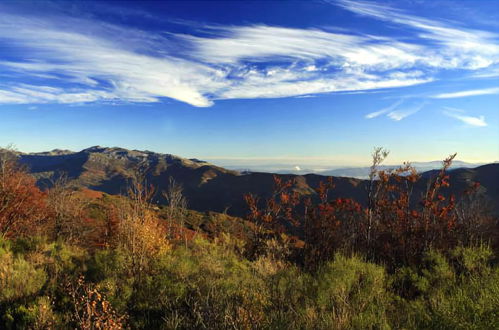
(208, 187)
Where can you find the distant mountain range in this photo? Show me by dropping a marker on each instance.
(208, 187)
(352, 172)
(363, 172)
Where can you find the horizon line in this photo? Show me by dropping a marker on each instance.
(286, 159)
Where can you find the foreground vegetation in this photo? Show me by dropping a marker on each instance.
(81, 259)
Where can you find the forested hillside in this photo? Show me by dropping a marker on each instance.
(73, 257)
(212, 188)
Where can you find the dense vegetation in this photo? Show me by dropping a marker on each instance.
(72, 258)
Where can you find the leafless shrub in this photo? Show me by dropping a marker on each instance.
(176, 209)
(91, 310)
(68, 208)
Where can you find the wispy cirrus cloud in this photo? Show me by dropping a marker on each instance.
(221, 68)
(451, 46)
(396, 111)
(491, 72)
(466, 93)
(469, 120)
(402, 113)
(84, 60)
(24, 93)
(260, 43)
(384, 110)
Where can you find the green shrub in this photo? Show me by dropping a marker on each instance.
(459, 292)
(208, 285)
(110, 269)
(26, 245)
(352, 293)
(18, 278)
(472, 261)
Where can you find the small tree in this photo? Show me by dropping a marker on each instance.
(139, 231)
(68, 210)
(176, 209)
(378, 157)
(395, 226)
(22, 205)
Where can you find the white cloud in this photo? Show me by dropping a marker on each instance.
(339, 83)
(384, 110)
(129, 75)
(473, 92)
(454, 47)
(405, 75)
(260, 42)
(487, 73)
(469, 120)
(80, 60)
(396, 112)
(400, 114)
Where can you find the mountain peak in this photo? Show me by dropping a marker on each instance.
(206, 186)
(94, 149)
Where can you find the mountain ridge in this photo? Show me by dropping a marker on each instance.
(207, 187)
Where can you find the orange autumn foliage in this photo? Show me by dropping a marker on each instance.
(23, 207)
(394, 227)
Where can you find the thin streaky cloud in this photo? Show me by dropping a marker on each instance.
(384, 110)
(134, 77)
(129, 75)
(469, 120)
(261, 42)
(466, 93)
(489, 72)
(101, 62)
(460, 47)
(400, 114)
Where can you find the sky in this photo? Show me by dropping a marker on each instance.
(292, 83)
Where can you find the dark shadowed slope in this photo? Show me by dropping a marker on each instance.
(206, 186)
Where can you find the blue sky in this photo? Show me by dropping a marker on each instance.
(308, 83)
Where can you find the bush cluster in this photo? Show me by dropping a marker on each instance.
(117, 263)
(209, 285)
